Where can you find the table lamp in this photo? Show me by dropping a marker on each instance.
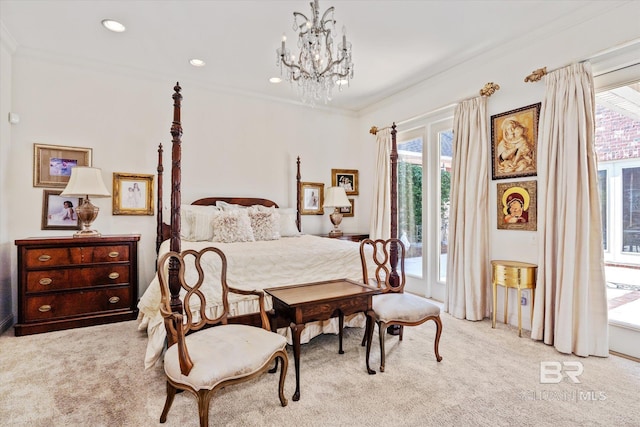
(85, 182)
(336, 197)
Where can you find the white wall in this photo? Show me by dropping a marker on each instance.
(231, 145)
(507, 66)
(6, 245)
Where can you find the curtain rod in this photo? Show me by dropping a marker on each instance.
(487, 90)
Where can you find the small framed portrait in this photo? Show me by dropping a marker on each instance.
(132, 194)
(347, 211)
(52, 163)
(347, 179)
(517, 206)
(514, 141)
(59, 213)
(312, 198)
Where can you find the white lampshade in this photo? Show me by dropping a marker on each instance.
(335, 197)
(85, 181)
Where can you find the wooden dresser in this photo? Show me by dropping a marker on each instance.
(67, 282)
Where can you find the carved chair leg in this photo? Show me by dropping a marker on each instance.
(437, 339)
(364, 338)
(283, 375)
(204, 398)
(171, 393)
(382, 328)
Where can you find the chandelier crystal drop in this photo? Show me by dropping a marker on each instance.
(318, 67)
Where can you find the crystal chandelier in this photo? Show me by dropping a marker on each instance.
(318, 68)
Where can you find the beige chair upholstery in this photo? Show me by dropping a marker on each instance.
(206, 353)
(392, 306)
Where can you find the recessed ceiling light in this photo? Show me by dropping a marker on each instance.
(275, 79)
(197, 62)
(342, 82)
(112, 25)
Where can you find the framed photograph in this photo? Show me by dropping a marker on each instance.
(312, 198)
(52, 163)
(514, 141)
(348, 211)
(517, 205)
(132, 194)
(347, 179)
(59, 213)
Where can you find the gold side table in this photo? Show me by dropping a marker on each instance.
(513, 274)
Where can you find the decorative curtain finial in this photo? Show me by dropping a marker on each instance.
(536, 75)
(489, 89)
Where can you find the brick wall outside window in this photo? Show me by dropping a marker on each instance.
(617, 136)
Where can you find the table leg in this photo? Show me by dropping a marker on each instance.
(506, 303)
(519, 312)
(296, 331)
(369, 335)
(533, 298)
(495, 303)
(340, 329)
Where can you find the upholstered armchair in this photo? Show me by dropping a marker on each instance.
(393, 306)
(206, 353)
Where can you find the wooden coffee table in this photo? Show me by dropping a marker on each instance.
(309, 302)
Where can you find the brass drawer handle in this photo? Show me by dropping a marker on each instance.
(114, 254)
(44, 258)
(44, 308)
(114, 275)
(114, 300)
(45, 281)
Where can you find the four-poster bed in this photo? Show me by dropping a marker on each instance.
(294, 258)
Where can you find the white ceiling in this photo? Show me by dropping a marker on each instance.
(395, 43)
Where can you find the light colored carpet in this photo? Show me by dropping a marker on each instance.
(94, 377)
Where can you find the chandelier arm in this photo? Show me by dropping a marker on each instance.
(324, 15)
(301, 26)
(301, 71)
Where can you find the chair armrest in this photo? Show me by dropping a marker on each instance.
(175, 321)
(260, 294)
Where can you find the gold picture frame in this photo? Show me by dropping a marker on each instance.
(514, 141)
(59, 213)
(312, 198)
(52, 163)
(132, 194)
(348, 211)
(347, 179)
(517, 205)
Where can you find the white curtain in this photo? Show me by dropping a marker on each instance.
(571, 303)
(380, 227)
(468, 287)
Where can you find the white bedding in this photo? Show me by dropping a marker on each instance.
(260, 265)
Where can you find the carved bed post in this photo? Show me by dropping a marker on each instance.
(298, 197)
(393, 253)
(159, 211)
(176, 133)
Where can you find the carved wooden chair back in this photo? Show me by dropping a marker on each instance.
(385, 255)
(196, 330)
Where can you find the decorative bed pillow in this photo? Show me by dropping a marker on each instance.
(228, 206)
(196, 222)
(265, 223)
(232, 226)
(288, 227)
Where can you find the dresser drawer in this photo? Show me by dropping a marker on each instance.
(60, 305)
(69, 278)
(48, 257)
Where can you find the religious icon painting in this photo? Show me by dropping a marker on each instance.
(517, 206)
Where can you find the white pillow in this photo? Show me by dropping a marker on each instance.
(228, 206)
(265, 222)
(196, 222)
(288, 227)
(232, 226)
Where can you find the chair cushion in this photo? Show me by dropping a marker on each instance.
(403, 307)
(223, 352)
